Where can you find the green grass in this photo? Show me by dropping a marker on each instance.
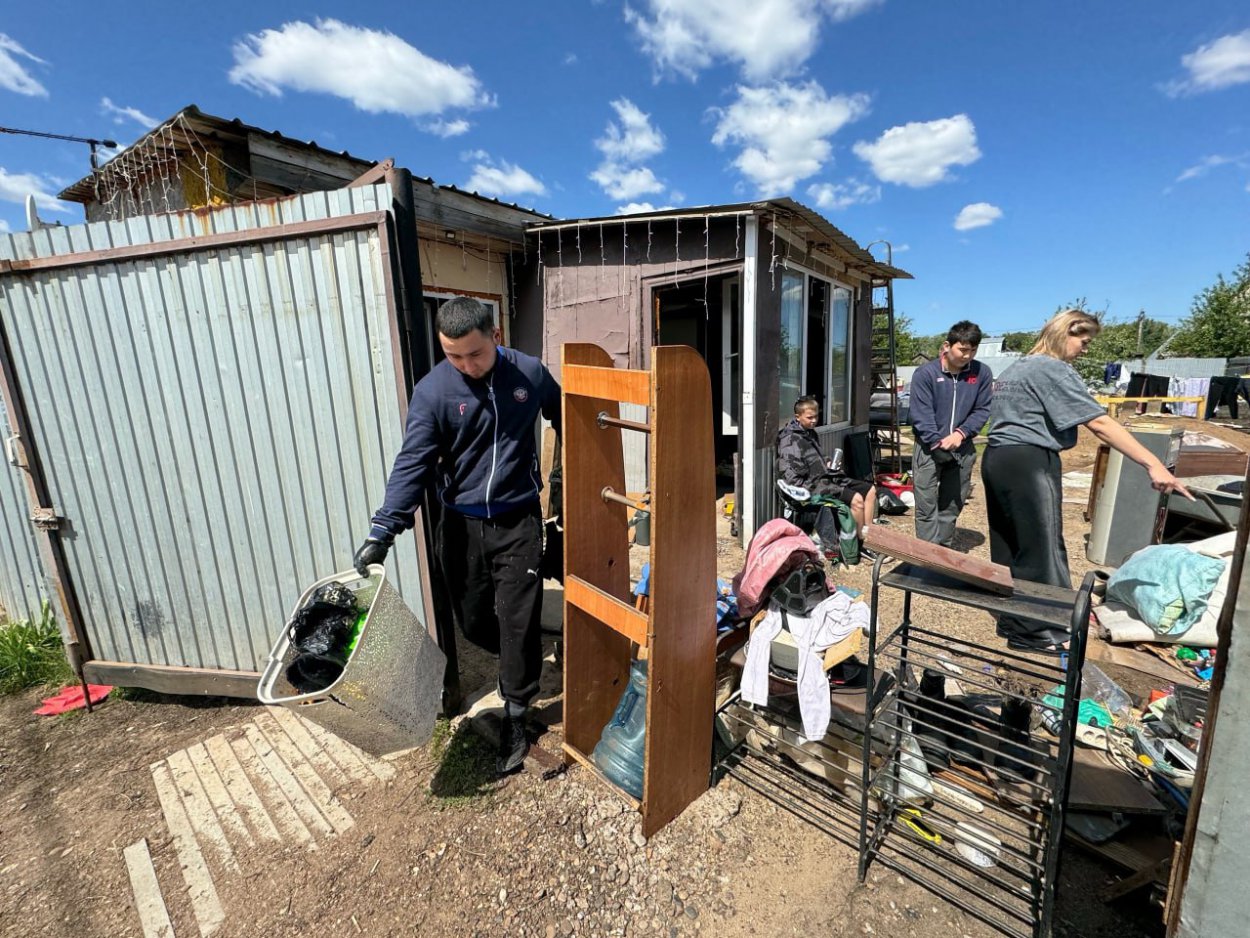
(466, 765)
(31, 654)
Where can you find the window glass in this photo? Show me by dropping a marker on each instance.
(793, 311)
(839, 407)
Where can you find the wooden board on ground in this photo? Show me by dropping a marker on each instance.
(981, 573)
(1098, 784)
(1138, 660)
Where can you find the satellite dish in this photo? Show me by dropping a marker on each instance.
(32, 214)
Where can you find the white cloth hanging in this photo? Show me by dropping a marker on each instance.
(832, 620)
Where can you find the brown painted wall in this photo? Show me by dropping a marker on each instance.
(594, 282)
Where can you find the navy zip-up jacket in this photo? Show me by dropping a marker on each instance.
(474, 439)
(942, 403)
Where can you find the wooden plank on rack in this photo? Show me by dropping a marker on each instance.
(607, 383)
(681, 678)
(609, 610)
(988, 576)
(596, 542)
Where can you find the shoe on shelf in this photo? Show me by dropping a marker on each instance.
(514, 744)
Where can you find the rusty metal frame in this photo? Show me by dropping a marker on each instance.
(223, 239)
(175, 678)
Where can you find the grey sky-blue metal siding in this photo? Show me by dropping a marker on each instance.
(216, 425)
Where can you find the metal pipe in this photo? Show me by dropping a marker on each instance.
(609, 495)
(604, 420)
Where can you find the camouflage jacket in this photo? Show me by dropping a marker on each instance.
(799, 461)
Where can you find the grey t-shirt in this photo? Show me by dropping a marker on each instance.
(1040, 401)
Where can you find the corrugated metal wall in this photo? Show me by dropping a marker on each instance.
(216, 425)
(1179, 367)
(22, 587)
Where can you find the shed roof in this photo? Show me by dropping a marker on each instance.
(804, 221)
(234, 130)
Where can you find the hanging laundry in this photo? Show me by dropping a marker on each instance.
(1143, 385)
(1111, 372)
(1192, 387)
(1223, 393)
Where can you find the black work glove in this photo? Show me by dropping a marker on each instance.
(373, 550)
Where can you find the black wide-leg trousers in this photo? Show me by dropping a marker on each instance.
(492, 570)
(1024, 501)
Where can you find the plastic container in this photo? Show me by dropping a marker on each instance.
(1096, 685)
(620, 751)
(979, 847)
(389, 691)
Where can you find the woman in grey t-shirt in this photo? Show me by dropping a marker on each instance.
(1039, 403)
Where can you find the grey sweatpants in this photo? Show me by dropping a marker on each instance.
(940, 492)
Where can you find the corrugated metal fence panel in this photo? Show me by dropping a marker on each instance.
(216, 425)
(22, 586)
(1180, 367)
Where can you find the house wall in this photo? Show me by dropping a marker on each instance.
(593, 282)
(469, 265)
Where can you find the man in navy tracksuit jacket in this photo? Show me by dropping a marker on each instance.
(471, 433)
(950, 403)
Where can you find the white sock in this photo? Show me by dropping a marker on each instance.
(863, 532)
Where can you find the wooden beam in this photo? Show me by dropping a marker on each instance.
(612, 612)
(607, 384)
(165, 679)
(988, 576)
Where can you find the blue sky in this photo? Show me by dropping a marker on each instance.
(1017, 155)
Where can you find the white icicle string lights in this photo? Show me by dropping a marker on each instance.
(707, 259)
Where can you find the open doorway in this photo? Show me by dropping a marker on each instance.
(706, 314)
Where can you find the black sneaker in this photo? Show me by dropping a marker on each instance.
(514, 745)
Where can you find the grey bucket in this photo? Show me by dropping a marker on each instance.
(390, 691)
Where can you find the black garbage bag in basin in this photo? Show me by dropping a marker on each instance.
(321, 633)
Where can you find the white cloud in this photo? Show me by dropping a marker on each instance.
(837, 195)
(13, 74)
(766, 38)
(570, 58)
(626, 182)
(447, 128)
(977, 215)
(641, 208)
(782, 130)
(634, 140)
(122, 114)
(4, 226)
(1208, 163)
(1219, 64)
(502, 178)
(625, 147)
(14, 187)
(376, 71)
(921, 154)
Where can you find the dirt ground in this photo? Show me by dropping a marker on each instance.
(528, 857)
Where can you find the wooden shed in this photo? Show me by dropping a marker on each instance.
(776, 299)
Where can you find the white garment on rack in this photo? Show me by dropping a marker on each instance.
(830, 622)
(1193, 387)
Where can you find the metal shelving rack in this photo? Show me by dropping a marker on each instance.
(1004, 797)
(1009, 783)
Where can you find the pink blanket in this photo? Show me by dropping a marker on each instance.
(777, 548)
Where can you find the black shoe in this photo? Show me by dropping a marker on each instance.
(514, 745)
(866, 553)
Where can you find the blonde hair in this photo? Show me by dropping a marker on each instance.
(1054, 336)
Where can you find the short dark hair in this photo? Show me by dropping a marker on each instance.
(806, 402)
(964, 331)
(461, 315)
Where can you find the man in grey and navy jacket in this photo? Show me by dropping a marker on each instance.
(471, 434)
(950, 403)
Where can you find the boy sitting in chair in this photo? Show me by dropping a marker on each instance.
(800, 463)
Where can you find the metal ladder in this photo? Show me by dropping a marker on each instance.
(887, 448)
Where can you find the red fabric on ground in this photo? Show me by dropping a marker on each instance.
(71, 698)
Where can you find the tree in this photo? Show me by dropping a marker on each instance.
(1218, 325)
(1117, 342)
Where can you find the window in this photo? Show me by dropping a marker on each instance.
(790, 352)
(815, 344)
(839, 407)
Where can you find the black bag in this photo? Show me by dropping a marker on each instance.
(888, 503)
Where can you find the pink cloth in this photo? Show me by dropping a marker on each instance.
(777, 548)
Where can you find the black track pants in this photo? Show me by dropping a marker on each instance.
(491, 567)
